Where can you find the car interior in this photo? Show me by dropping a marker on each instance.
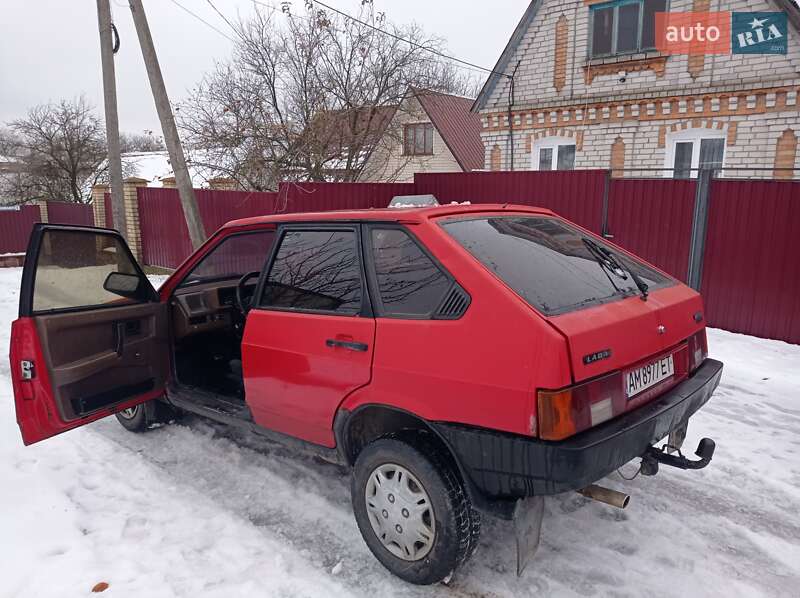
(208, 329)
(207, 313)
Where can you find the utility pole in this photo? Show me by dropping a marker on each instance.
(197, 232)
(112, 119)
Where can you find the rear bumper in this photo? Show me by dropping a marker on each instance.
(503, 466)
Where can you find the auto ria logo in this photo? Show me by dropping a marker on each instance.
(722, 32)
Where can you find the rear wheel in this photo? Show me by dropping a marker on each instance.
(412, 510)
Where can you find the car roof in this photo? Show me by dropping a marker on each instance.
(406, 215)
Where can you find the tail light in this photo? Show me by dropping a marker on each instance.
(564, 412)
(698, 349)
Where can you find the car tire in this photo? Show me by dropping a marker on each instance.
(142, 417)
(425, 476)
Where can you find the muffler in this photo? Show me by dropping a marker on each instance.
(606, 495)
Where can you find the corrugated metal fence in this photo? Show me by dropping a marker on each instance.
(751, 272)
(577, 195)
(16, 223)
(15, 227)
(61, 212)
(165, 238)
(653, 219)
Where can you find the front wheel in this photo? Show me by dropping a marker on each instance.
(412, 510)
(141, 417)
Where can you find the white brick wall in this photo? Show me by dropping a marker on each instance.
(757, 134)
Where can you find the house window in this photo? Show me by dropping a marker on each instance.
(694, 149)
(418, 139)
(623, 26)
(554, 153)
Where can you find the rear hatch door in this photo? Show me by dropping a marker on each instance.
(630, 332)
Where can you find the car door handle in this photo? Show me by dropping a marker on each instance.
(119, 338)
(349, 345)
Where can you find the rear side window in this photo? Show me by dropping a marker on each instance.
(409, 283)
(316, 271)
(547, 262)
(73, 269)
(233, 258)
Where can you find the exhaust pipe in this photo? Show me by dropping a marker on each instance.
(606, 495)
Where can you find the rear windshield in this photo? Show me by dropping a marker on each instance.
(548, 262)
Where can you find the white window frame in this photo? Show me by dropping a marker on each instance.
(553, 143)
(695, 135)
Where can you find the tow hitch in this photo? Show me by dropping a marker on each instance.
(653, 456)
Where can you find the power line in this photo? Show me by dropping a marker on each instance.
(466, 63)
(410, 42)
(199, 18)
(224, 18)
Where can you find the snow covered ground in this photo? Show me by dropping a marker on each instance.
(199, 510)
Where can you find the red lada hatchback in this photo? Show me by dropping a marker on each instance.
(460, 359)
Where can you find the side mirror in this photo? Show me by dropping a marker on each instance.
(124, 285)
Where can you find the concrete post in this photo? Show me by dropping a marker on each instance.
(99, 204)
(130, 197)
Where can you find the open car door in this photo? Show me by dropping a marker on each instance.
(91, 338)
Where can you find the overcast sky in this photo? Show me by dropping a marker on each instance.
(49, 49)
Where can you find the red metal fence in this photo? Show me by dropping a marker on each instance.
(165, 238)
(15, 228)
(61, 212)
(16, 223)
(576, 195)
(108, 210)
(653, 219)
(751, 272)
(323, 197)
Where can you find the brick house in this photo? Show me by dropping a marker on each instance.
(428, 132)
(590, 91)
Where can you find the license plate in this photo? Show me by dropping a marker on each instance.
(649, 375)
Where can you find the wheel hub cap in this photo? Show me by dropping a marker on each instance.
(400, 512)
(129, 413)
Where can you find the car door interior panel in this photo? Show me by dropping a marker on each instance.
(100, 357)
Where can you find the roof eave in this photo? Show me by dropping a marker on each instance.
(502, 63)
(792, 12)
(442, 135)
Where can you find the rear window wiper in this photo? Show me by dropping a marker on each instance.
(607, 259)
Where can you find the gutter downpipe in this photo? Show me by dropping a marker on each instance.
(511, 116)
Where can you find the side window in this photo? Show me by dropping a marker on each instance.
(409, 283)
(233, 258)
(85, 269)
(317, 271)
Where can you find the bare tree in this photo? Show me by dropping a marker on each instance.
(141, 142)
(307, 96)
(59, 150)
(8, 143)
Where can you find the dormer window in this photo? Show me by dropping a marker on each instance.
(623, 26)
